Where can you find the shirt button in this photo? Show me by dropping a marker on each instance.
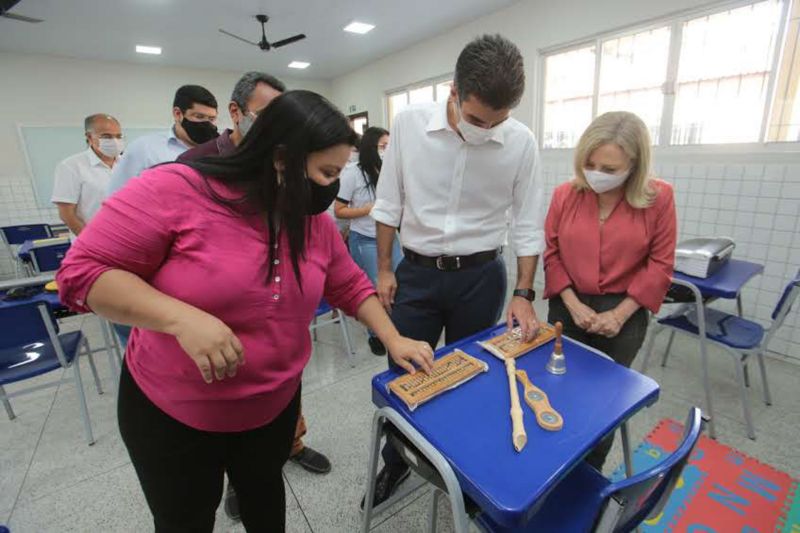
(277, 279)
(276, 262)
(276, 296)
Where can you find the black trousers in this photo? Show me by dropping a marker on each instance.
(462, 303)
(181, 469)
(622, 348)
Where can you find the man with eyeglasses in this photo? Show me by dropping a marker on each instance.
(251, 94)
(81, 180)
(194, 112)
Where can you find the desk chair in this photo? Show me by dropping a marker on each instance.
(47, 258)
(14, 236)
(587, 501)
(341, 319)
(739, 337)
(31, 346)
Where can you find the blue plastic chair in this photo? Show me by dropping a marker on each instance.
(737, 336)
(325, 308)
(13, 236)
(48, 258)
(586, 501)
(31, 346)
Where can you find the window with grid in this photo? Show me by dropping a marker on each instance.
(432, 91)
(697, 79)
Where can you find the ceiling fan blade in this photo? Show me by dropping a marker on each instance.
(229, 34)
(290, 40)
(21, 18)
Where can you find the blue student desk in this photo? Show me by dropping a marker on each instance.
(727, 282)
(471, 427)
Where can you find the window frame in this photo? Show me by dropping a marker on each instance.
(432, 82)
(675, 22)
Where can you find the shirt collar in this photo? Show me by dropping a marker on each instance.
(172, 138)
(438, 122)
(225, 144)
(94, 160)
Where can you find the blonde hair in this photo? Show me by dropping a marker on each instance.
(629, 132)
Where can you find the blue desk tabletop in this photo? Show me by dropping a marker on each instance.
(727, 282)
(50, 298)
(471, 425)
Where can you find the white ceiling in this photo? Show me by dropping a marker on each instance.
(187, 30)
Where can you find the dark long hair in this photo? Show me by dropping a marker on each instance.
(293, 125)
(368, 159)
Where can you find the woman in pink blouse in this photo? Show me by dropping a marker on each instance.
(610, 243)
(216, 264)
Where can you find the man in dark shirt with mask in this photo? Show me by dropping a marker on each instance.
(194, 111)
(252, 93)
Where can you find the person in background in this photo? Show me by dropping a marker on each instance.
(452, 173)
(251, 95)
(353, 204)
(194, 112)
(81, 180)
(189, 409)
(610, 236)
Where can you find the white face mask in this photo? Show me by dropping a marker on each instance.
(471, 133)
(381, 154)
(601, 182)
(111, 147)
(245, 123)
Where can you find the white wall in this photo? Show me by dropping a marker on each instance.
(750, 193)
(57, 91)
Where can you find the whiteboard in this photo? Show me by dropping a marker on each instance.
(46, 146)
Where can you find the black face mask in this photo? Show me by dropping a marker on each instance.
(199, 132)
(322, 196)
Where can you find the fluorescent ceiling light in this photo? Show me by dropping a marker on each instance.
(299, 64)
(359, 27)
(153, 50)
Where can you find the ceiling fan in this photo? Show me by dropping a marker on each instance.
(263, 43)
(5, 5)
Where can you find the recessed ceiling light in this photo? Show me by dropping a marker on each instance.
(359, 27)
(299, 64)
(153, 50)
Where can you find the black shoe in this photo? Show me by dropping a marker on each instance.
(377, 346)
(312, 460)
(231, 504)
(386, 484)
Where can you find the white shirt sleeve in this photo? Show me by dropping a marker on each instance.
(66, 184)
(347, 184)
(130, 164)
(527, 212)
(389, 194)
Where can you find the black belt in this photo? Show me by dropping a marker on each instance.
(450, 263)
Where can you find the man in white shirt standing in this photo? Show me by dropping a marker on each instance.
(81, 180)
(194, 111)
(453, 172)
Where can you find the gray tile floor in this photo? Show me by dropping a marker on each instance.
(50, 480)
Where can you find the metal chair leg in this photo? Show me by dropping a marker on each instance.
(314, 331)
(92, 366)
(712, 427)
(669, 347)
(746, 374)
(87, 424)
(351, 354)
(433, 515)
(111, 348)
(377, 431)
(7, 404)
(745, 403)
(763, 367)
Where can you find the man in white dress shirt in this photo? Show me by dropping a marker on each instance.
(194, 112)
(81, 180)
(453, 174)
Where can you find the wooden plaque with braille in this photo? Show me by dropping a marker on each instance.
(448, 372)
(509, 344)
